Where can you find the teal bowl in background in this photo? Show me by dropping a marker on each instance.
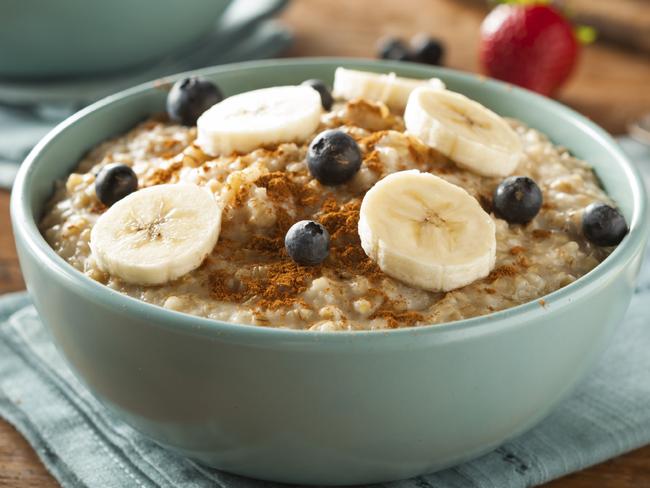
(316, 407)
(81, 37)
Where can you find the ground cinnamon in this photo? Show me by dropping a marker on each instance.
(505, 270)
(373, 162)
(163, 175)
(277, 282)
(280, 187)
(517, 250)
(281, 281)
(279, 287)
(398, 319)
(541, 233)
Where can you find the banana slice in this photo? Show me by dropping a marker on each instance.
(156, 234)
(387, 88)
(426, 232)
(464, 130)
(247, 121)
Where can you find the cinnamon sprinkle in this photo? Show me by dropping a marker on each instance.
(278, 287)
(241, 196)
(276, 282)
(279, 186)
(541, 233)
(523, 261)
(280, 281)
(396, 319)
(506, 270)
(373, 162)
(163, 175)
(373, 139)
(269, 280)
(346, 254)
(98, 208)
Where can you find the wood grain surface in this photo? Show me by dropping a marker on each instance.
(610, 86)
(625, 22)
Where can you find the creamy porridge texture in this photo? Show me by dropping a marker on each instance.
(249, 278)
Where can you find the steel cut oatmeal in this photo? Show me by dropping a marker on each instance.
(252, 275)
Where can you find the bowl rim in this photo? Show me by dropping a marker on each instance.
(26, 228)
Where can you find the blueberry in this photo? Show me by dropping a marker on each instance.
(427, 50)
(307, 242)
(190, 97)
(333, 157)
(114, 182)
(393, 48)
(603, 225)
(517, 199)
(325, 95)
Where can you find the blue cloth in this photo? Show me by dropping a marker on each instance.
(83, 446)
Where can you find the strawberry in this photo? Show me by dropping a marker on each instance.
(533, 46)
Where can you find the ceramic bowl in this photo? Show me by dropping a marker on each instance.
(81, 37)
(316, 407)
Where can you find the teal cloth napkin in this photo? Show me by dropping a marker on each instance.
(83, 446)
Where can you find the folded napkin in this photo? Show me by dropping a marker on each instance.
(83, 446)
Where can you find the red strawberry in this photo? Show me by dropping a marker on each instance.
(533, 46)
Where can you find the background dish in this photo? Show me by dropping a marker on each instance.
(237, 35)
(75, 37)
(316, 407)
(30, 108)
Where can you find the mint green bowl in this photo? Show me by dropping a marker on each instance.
(82, 37)
(318, 407)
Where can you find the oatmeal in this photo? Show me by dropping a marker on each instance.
(249, 278)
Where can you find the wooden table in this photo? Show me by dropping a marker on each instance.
(611, 86)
